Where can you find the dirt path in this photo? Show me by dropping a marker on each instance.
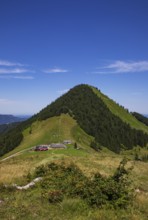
(14, 155)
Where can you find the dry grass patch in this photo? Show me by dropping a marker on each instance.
(140, 174)
(141, 204)
(14, 169)
(10, 171)
(104, 165)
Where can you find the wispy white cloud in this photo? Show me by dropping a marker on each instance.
(13, 70)
(119, 66)
(16, 77)
(61, 92)
(56, 70)
(23, 77)
(8, 63)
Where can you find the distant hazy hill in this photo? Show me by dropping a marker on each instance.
(109, 124)
(7, 119)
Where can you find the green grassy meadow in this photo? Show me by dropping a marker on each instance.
(29, 204)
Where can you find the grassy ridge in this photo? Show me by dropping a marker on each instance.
(119, 111)
(55, 129)
(96, 118)
(94, 112)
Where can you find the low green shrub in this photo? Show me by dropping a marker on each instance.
(69, 181)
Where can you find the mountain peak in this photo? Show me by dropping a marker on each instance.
(109, 124)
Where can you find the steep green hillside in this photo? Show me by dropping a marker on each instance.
(121, 112)
(110, 125)
(96, 118)
(53, 130)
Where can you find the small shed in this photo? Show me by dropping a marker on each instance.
(57, 146)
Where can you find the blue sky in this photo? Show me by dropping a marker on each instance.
(49, 46)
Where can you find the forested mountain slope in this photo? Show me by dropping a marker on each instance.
(111, 126)
(4, 128)
(94, 117)
(121, 112)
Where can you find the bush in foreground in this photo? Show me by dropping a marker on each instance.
(61, 181)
